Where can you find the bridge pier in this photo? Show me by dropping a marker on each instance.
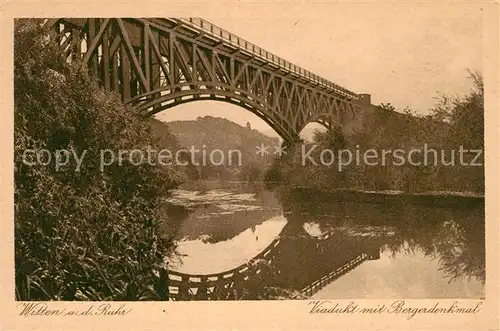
(365, 99)
(163, 285)
(184, 288)
(288, 145)
(202, 293)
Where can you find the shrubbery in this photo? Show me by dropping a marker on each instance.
(87, 234)
(453, 123)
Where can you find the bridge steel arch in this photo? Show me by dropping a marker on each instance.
(157, 63)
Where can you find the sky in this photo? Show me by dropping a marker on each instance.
(405, 54)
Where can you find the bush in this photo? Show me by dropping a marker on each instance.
(453, 123)
(87, 234)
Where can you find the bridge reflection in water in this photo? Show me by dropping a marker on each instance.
(316, 262)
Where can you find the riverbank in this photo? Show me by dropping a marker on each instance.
(430, 199)
(205, 185)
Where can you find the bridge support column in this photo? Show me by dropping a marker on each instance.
(163, 285)
(290, 144)
(365, 99)
(202, 293)
(184, 289)
(155, 75)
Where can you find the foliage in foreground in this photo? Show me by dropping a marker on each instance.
(87, 234)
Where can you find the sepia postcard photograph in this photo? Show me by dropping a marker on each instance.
(250, 166)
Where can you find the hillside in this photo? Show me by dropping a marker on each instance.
(212, 133)
(306, 133)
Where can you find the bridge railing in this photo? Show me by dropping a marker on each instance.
(255, 50)
(317, 285)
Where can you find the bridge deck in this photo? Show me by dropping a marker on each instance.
(240, 43)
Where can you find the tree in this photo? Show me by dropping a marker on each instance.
(465, 116)
(250, 172)
(453, 123)
(91, 234)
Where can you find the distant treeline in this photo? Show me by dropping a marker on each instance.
(454, 124)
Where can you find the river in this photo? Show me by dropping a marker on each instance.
(422, 250)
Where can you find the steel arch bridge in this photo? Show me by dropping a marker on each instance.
(158, 63)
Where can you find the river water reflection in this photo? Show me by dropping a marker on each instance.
(426, 250)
